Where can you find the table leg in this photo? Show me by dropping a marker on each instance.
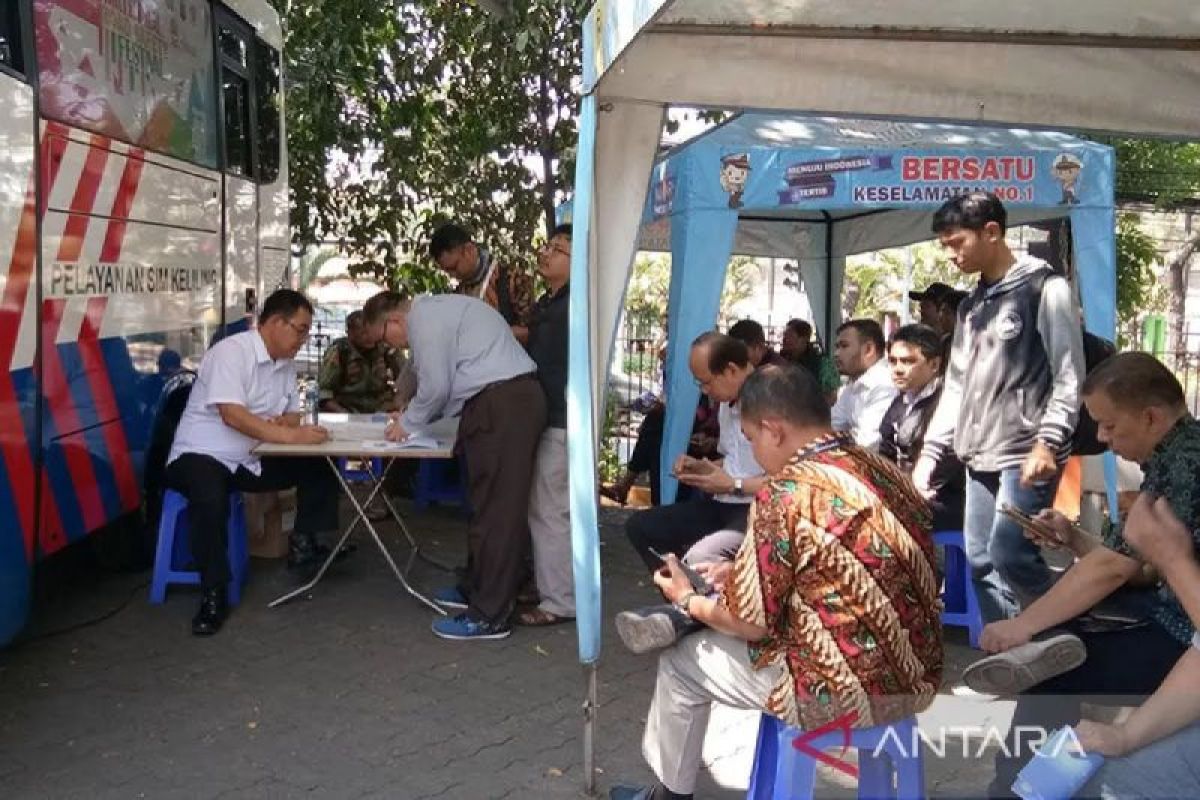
(416, 550)
(361, 517)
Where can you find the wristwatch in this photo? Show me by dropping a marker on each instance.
(738, 491)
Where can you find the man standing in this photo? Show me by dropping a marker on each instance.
(549, 501)
(915, 358)
(720, 365)
(859, 355)
(1010, 400)
(245, 394)
(359, 371)
(480, 276)
(830, 612)
(752, 335)
(466, 360)
(927, 302)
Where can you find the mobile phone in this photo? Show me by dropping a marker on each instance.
(1042, 530)
(695, 578)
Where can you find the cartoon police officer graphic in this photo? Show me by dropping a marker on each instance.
(735, 170)
(1066, 171)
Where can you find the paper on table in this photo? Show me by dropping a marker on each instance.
(354, 427)
(413, 442)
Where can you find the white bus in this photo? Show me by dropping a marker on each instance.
(143, 212)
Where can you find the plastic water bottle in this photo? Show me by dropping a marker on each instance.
(311, 401)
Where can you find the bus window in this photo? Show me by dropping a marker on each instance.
(238, 158)
(266, 72)
(233, 44)
(10, 38)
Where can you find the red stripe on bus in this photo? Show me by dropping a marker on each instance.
(57, 391)
(52, 537)
(131, 177)
(14, 446)
(107, 410)
(71, 244)
(54, 147)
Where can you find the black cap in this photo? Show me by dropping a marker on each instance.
(934, 291)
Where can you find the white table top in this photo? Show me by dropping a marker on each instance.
(444, 431)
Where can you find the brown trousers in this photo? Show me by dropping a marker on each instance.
(498, 434)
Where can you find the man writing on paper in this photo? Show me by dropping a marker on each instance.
(467, 360)
(245, 394)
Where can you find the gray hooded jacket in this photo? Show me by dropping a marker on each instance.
(1016, 365)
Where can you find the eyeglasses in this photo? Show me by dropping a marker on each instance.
(302, 330)
(551, 248)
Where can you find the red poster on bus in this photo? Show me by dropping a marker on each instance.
(137, 70)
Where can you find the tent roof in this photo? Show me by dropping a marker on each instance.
(799, 132)
(1105, 65)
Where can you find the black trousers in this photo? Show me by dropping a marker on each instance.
(206, 484)
(498, 433)
(1122, 668)
(675, 528)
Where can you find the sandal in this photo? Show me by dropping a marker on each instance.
(538, 617)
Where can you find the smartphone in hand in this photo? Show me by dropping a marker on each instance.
(698, 582)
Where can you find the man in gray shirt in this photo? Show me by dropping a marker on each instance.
(467, 362)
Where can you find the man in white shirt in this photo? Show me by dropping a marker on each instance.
(859, 354)
(246, 393)
(720, 365)
(468, 362)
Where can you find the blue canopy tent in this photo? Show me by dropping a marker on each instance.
(818, 189)
(1103, 65)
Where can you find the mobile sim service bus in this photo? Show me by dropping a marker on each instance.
(143, 210)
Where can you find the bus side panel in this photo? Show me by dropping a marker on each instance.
(130, 280)
(18, 212)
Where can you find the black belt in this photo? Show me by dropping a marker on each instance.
(528, 376)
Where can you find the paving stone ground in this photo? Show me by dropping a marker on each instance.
(348, 695)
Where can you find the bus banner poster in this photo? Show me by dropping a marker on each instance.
(136, 70)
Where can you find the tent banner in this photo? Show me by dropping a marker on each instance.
(772, 179)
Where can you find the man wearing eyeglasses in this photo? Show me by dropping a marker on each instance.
(246, 393)
(481, 276)
(469, 365)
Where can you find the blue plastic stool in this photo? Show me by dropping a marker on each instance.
(174, 552)
(960, 606)
(435, 484)
(781, 772)
(360, 475)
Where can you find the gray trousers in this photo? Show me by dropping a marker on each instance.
(550, 525)
(698, 670)
(1168, 769)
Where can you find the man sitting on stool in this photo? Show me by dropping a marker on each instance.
(246, 393)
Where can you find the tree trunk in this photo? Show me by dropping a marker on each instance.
(1176, 274)
(546, 147)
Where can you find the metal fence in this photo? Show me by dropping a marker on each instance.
(1184, 360)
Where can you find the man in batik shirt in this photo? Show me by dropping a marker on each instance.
(479, 275)
(828, 613)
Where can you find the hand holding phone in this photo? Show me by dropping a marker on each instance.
(1041, 531)
(699, 584)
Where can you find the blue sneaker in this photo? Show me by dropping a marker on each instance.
(450, 597)
(463, 627)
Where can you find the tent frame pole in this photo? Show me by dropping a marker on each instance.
(589, 731)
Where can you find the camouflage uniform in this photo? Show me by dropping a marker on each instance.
(360, 382)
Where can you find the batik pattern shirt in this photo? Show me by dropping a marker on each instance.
(1171, 472)
(838, 566)
(507, 290)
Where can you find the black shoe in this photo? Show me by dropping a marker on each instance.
(213, 610)
(306, 554)
(654, 627)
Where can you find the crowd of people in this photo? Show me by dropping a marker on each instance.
(798, 576)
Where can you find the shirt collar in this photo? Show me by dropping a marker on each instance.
(930, 388)
(261, 356)
(1168, 441)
